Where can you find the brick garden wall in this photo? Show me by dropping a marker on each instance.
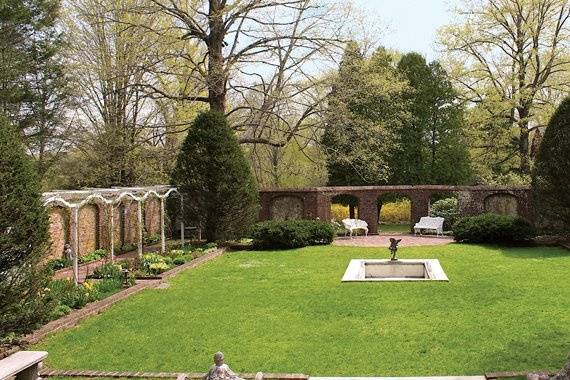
(309, 203)
(89, 228)
(473, 200)
(152, 216)
(94, 229)
(58, 230)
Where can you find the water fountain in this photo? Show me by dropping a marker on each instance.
(394, 269)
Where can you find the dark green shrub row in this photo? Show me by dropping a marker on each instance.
(493, 228)
(291, 234)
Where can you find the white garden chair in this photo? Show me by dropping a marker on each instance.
(355, 225)
(429, 223)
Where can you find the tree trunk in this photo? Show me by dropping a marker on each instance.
(351, 211)
(524, 141)
(216, 72)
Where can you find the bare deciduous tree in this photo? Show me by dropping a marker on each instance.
(510, 58)
(107, 60)
(252, 58)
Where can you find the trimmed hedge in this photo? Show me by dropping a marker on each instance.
(291, 234)
(493, 228)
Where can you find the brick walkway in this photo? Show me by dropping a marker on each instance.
(408, 240)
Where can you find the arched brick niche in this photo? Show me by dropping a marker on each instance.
(352, 201)
(59, 232)
(502, 203)
(287, 207)
(152, 216)
(89, 228)
(129, 222)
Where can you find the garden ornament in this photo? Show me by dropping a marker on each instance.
(221, 371)
(394, 248)
(68, 252)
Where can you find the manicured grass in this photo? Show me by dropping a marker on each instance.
(393, 228)
(503, 309)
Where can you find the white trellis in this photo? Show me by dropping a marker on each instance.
(111, 198)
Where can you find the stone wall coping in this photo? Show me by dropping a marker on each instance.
(403, 378)
(326, 189)
(20, 361)
(161, 375)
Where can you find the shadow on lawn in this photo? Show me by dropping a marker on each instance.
(534, 252)
(531, 355)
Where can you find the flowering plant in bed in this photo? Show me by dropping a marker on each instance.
(98, 254)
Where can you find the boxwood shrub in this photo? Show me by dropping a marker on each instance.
(493, 228)
(291, 234)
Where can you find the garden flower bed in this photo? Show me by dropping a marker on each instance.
(109, 278)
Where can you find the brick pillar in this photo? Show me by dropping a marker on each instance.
(420, 207)
(265, 206)
(525, 205)
(323, 206)
(368, 211)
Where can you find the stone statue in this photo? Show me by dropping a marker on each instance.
(68, 252)
(220, 371)
(394, 248)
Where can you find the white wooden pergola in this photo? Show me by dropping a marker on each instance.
(74, 200)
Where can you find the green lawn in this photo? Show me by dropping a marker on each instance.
(503, 309)
(393, 228)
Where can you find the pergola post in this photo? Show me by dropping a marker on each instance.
(112, 233)
(139, 214)
(182, 220)
(162, 235)
(75, 231)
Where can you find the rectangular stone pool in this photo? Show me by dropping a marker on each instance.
(398, 270)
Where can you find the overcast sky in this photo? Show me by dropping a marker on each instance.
(412, 24)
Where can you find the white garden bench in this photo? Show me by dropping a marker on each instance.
(355, 225)
(23, 365)
(429, 223)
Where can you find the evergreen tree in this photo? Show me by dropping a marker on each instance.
(220, 194)
(23, 237)
(431, 144)
(550, 178)
(33, 89)
(394, 124)
(364, 108)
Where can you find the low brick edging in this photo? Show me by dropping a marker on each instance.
(67, 272)
(160, 375)
(73, 318)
